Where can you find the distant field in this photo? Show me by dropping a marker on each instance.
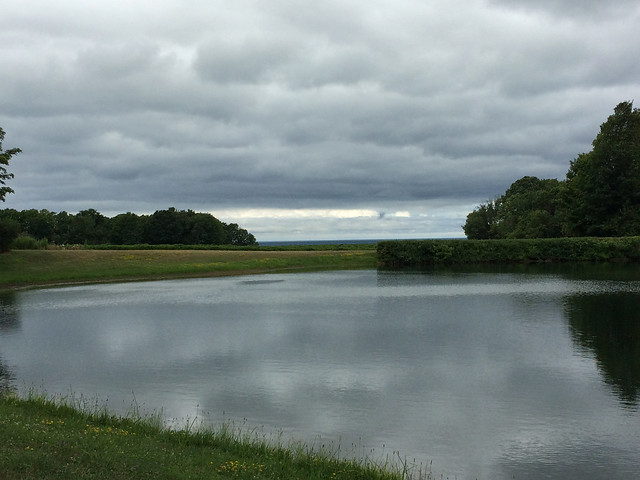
(25, 268)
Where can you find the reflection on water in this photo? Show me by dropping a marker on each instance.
(8, 321)
(8, 313)
(487, 374)
(609, 325)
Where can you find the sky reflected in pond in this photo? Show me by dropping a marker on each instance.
(488, 375)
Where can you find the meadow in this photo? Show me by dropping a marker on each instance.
(26, 268)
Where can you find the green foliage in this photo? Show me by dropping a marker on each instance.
(401, 253)
(600, 196)
(5, 156)
(238, 236)
(127, 229)
(603, 186)
(9, 231)
(27, 242)
(481, 222)
(528, 209)
(52, 439)
(90, 227)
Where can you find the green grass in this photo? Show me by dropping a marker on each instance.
(21, 268)
(44, 439)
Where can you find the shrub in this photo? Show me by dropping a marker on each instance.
(27, 242)
(9, 230)
(437, 252)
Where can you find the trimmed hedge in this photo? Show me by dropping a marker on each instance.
(398, 253)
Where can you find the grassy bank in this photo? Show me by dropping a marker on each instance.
(46, 439)
(543, 250)
(23, 268)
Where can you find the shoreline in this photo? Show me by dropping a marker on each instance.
(59, 437)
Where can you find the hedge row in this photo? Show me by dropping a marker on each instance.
(398, 253)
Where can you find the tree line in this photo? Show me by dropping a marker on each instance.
(599, 197)
(90, 227)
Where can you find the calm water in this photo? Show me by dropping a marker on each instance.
(486, 375)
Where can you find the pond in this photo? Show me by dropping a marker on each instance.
(480, 374)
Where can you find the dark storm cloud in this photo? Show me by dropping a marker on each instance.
(399, 107)
(570, 8)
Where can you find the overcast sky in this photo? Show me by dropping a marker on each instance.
(306, 120)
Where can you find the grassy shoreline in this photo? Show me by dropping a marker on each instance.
(48, 439)
(36, 268)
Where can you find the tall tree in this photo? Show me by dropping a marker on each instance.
(603, 186)
(88, 226)
(528, 209)
(5, 156)
(126, 229)
(481, 223)
(238, 236)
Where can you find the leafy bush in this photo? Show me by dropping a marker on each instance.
(27, 242)
(437, 252)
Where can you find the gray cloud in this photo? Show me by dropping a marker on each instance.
(401, 106)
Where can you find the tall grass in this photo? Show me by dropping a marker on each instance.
(63, 438)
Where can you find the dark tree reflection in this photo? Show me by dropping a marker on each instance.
(6, 378)
(609, 326)
(9, 319)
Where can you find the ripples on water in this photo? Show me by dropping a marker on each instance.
(487, 375)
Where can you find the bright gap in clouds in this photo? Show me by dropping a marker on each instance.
(281, 224)
(247, 213)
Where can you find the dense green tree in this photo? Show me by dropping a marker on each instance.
(166, 227)
(9, 231)
(204, 229)
(600, 196)
(5, 156)
(88, 227)
(481, 223)
(234, 235)
(62, 228)
(127, 229)
(38, 224)
(603, 186)
(528, 209)
(182, 227)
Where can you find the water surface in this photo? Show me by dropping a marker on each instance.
(484, 374)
